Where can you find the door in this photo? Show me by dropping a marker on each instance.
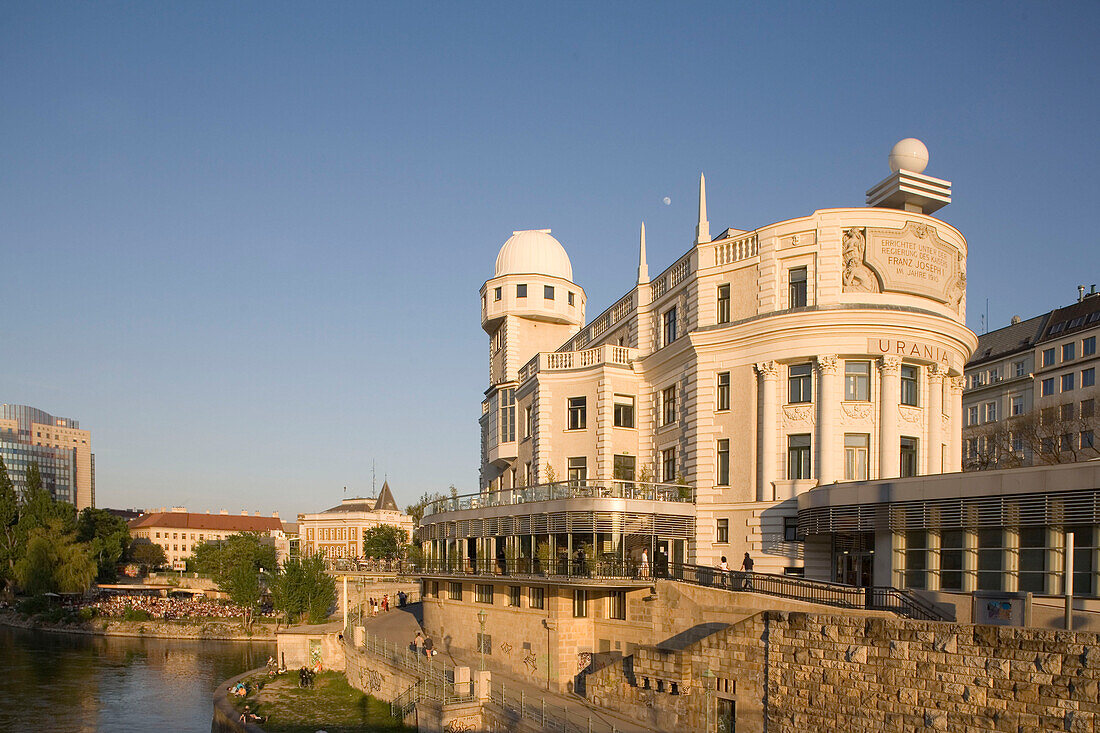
(727, 710)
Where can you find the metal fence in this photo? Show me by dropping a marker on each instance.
(525, 567)
(517, 705)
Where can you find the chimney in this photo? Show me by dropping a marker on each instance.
(275, 515)
(1080, 293)
(244, 512)
(257, 514)
(223, 511)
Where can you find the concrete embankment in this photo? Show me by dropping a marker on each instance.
(226, 718)
(210, 630)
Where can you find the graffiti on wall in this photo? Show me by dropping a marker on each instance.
(529, 660)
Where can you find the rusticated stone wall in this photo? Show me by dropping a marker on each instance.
(816, 672)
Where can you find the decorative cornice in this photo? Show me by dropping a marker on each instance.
(799, 413)
(911, 414)
(856, 410)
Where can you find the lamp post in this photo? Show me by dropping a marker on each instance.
(481, 616)
(707, 677)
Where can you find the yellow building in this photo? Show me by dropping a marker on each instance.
(338, 532)
(179, 531)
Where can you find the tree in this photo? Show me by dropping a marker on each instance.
(302, 590)
(39, 506)
(148, 555)
(235, 564)
(384, 541)
(108, 538)
(54, 561)
(1057, 434)
(9, 516)
(416, 510)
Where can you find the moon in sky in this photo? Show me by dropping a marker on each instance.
(666, 200)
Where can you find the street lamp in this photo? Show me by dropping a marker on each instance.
(707, 677)
(481, 616)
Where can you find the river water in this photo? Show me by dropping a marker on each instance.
(69, 682)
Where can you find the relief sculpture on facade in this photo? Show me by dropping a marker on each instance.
(858, 277)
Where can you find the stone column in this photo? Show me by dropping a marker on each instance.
(828, 409)
(956, 417)
(934, 453)
(889, 445)
(769, 376)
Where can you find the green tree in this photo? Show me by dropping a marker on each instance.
(235, 564)
(108, 538)
(384, 541)
(303, 591)
(9, 516)
(416, 510)
(39, 506)
(54, 561)
(148, 555)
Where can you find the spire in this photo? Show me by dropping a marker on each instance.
(385, 499)
(643, 267)
(702, 229)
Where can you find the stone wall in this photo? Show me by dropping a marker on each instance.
(809, 672)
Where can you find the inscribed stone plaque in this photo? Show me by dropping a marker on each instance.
(915, 260)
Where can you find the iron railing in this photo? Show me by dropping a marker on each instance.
(548, 716)
(525, 567)
(641, 490)
(877, 598)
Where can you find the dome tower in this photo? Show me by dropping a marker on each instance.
(531, 304)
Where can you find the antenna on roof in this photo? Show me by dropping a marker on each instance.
(373, 490)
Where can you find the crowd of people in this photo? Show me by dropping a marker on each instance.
(172, 607)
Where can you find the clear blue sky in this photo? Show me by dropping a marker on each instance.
(242, 242)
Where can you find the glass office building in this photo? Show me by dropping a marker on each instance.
(57, 444)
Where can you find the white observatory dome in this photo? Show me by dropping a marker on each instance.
(909, 154)
(534, 252)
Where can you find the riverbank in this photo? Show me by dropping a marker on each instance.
(193, 630)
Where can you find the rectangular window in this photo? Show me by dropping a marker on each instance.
(1088, 377)
(514, 594)
(1048, 356)
(569, 297)
(951, 560)
(483, 593)
(797, 294)
(1018, 368)
(856, 450)
(857, 381)
(580, 603)
(723, 402)
(1047, 386)
(521, 291)
(578, 470)
(990, 411)
(908, 457)
(800, 383)
(497, 293)
(916, 559)
(990, 559)
(909, 385)
(1069, 351)
(624, 411)
(1065, 412)
(723, 532)
(578, 413)
(669, 326)
(1033, 559)
(798, 456)
(668, 405)
(1088, 440)
(548, 292)
(723, 478)
(1084, 545)
(972, 415)
(537, 597)
(1088, 408)
(456, 592)
(1017, 405)
(508, 415)
(1067, 382)
(528, 422)
(1088, 346)
(616, 605)
(790, 529)
(724, 303)
(623, 468)
(668, 465)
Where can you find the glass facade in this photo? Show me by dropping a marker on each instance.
(32, 440)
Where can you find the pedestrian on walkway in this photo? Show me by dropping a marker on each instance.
(747, 565)
(418, 642)
(429, 646)
(724, 569)
(645, 563)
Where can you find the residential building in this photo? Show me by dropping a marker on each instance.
(179, 531)
(337, 532)
(1031, 390)
(61, 449)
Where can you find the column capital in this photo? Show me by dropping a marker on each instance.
(828, 363)
(937, 371)
(768, 369)
(957, 384)
(890, 365)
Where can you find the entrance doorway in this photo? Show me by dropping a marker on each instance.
(854, 559)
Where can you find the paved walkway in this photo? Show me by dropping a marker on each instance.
(400, 626)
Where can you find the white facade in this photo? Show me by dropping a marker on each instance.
(760, 364)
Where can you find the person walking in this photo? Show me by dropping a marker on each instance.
(723, 571)
(747, 565)
(645, 563)
(418, 642)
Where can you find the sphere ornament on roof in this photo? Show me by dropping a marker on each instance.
(909, 154)
(534, 252)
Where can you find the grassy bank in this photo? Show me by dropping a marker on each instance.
(332, 704)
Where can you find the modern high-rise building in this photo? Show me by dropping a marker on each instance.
(62, 450)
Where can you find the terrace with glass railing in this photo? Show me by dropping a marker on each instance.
(615, 489)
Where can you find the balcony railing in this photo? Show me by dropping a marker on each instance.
(645, 491)
(562, 360)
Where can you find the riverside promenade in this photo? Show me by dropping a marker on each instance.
(569, 712)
